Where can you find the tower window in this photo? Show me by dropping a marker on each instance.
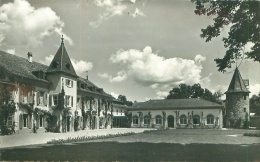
(244, 109)
(68, 66)
(55, 64)
(244, 97)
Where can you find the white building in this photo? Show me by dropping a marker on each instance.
(176, 113)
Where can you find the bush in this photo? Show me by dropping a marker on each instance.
(252, 134)
(7, 130)
(87, 138)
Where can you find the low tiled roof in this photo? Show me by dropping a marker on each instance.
(21, 66)
(237, 84)
(90, 84)
(190, 103)
(119, 106)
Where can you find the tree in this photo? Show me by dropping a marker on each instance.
(124, 100)
(254, 104)
(7, 109)
(243, 18)
(194, 91)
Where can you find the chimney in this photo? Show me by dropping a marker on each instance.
(87, 75)
(30, 57)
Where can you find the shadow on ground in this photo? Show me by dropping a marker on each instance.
(138, 151)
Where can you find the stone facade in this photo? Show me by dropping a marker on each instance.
(237, 105)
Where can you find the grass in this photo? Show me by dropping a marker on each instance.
(87, 138)
(138, 151)
(171, 145)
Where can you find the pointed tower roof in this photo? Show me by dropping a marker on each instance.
(237, 84)
(61, 62)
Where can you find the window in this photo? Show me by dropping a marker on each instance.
(25, 120)
(68, 100)
(244, 109)
(82, 86)
(244, 97)
(210, 119)
(135, 119)
(158, 119)
(196, 119)
(146, 119)
(41, 96)
(55, 64)
(69, 83)
(116, 111)
(41, 120)
(183, 119)
(68, 66)
(55, 100)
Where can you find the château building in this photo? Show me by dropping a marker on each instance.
(54, 97)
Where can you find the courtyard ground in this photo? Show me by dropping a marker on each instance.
(169, 145)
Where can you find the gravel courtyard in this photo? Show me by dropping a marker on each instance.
(169, 145)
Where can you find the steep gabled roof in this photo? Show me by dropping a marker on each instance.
(168, 104)
(237, 84)
(61, 62)
(21, 66)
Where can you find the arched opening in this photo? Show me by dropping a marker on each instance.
(170, 120)
(196, 119)
(158, 119)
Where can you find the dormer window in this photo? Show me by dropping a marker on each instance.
(68, 66)
(39, 74)
(55, 64)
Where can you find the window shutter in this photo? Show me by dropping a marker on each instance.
(21, 96)
(38, 121)
(21, 121)
(30, 97)
(44, 122)
(29, 121)
(71, 101)
(45, 99)
(50, 100)
(38, 98)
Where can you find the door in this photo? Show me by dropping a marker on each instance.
(170, 120)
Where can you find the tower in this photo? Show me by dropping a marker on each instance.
(237, 102)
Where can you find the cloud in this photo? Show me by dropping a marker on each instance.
(115, 95)
(23, 25)
(151, 70)
(133, 1)
(120, 77)
(47, 60)
(112, 8)
(137, 13)
(79, 66)
(254, 89)
(11, 51)
(199, 58)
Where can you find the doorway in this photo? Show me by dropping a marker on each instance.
(170, 120)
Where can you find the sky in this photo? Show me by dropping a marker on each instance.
(137, 48)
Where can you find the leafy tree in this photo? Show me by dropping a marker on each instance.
(7, 109)
(124, 100)
(194, 91)
(254, 104)
(243, 18)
